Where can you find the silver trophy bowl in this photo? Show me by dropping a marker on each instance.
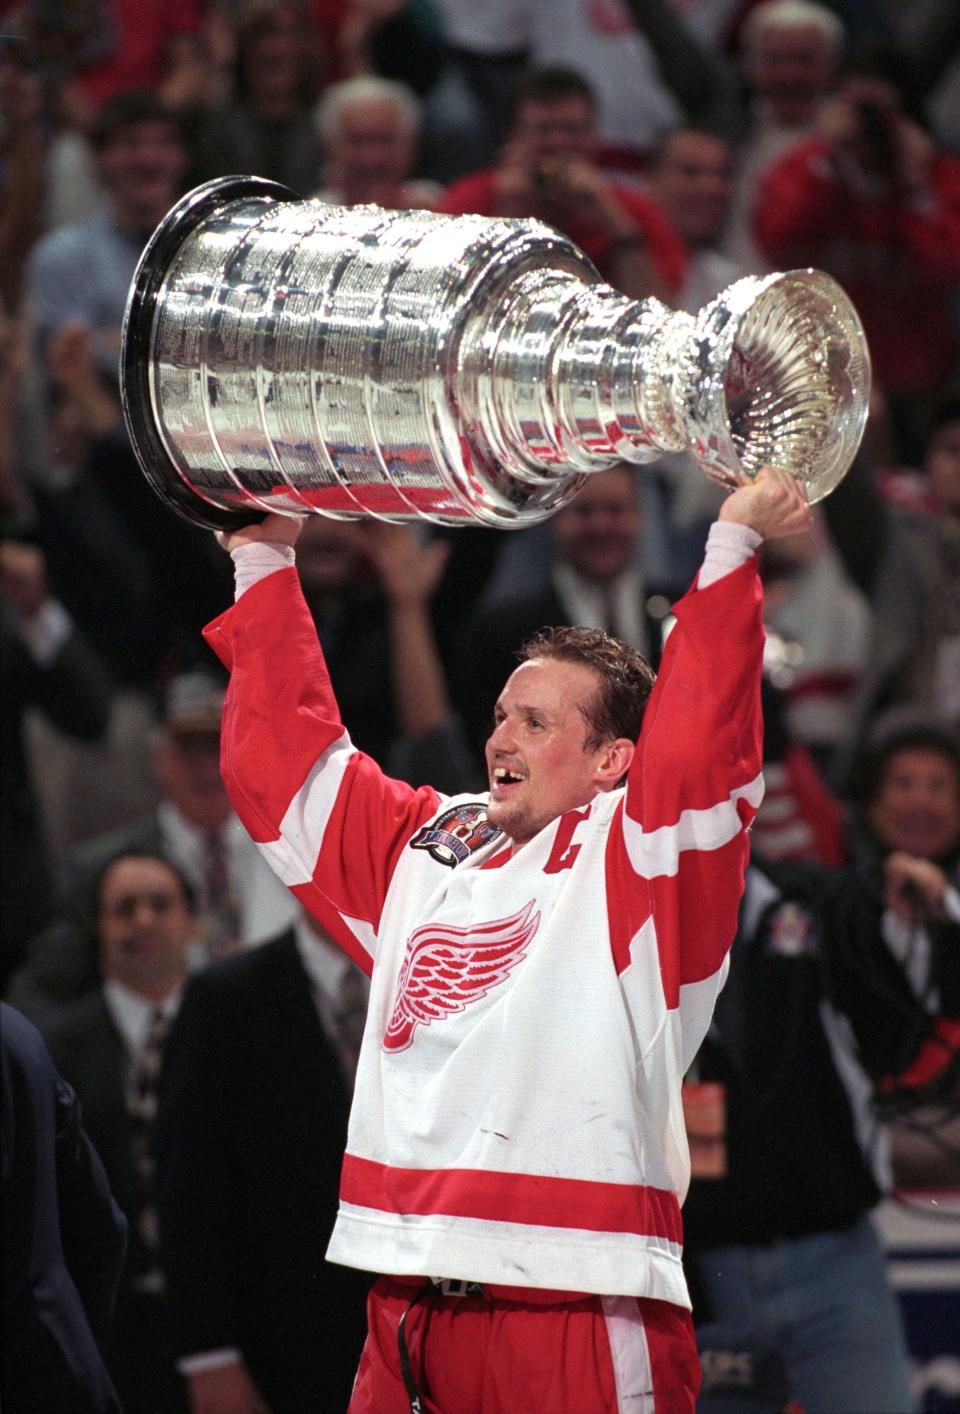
(282, 355)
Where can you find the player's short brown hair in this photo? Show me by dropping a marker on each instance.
(625, 678)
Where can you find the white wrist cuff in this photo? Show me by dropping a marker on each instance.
(209, 1360)
(729, 545)
(255, 561)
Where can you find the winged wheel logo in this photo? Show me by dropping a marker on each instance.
(446, 968)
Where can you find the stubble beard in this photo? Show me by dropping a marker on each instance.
(515, 819)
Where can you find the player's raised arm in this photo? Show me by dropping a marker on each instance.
(324, 815)
(695, 782)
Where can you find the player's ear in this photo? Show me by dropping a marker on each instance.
(614, 761)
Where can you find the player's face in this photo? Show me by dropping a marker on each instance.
(537, 761)
(917, 807)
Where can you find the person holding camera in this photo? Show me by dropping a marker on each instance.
(871, 200)
(548, 170)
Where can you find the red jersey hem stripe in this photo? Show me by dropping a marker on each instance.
(522, 1198)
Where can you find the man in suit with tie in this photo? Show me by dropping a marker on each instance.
(595, 581)
(63, 1239)
(252, 1128)
(108, 1046)
(239, 901)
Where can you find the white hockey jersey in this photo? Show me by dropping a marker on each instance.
(517, 1117)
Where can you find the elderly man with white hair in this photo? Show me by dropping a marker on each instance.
(790, 52)
(370, 127)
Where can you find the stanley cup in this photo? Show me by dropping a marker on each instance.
(283, 355)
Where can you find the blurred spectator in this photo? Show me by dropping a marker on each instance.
(15, 509)
(691, 177)
(397, 39)
(369, 127)
(871, 201)
(109, 542)
(596, 581)
(63, 1239)
(430, 744)
(548, 170)
(790, 50)
(908, 565)
(818, 626)
(485, 49)
(906, 840)
(908, 795)
(44, 666)
(86, 54)
(349, 612)
(267, 127)
(257, 1077)
(110, 546)
(22, 149)
(933, 48)
(142, 49)
(82, 272)
(109, 1047)
(652, 65)
(816, 1011)
(370, 589)
(798, 817)
(238, 899)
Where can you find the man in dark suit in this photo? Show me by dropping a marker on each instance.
(252, 1126)
(63, 1239)
(109, 1046)
(595, 582)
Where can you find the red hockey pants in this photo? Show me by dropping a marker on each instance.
(517, 1351)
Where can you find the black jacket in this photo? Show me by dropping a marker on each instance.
(63, 1239)
(796, 1162)
(251, 1133)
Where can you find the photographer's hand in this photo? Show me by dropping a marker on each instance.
(914, 889)
(914, 152)
(514, 186)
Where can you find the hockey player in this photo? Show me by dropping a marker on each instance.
(545, 958)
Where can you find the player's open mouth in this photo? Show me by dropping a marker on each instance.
(503, 778)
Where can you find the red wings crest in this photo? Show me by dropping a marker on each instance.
(447, 968)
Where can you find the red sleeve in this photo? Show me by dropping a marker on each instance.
(695, 781)
(327, 819)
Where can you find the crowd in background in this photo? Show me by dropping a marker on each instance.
(681, 146)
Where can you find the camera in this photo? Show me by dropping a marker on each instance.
(549, 174)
